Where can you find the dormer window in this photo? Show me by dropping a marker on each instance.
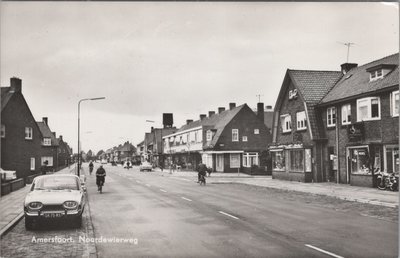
(379, 71)
(209, 135)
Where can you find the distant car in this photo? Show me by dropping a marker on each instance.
(54, 198)
(145, 166)
(126, 164)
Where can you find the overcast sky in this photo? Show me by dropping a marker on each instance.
(185, 58)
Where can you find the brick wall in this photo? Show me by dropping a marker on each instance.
(16, 152)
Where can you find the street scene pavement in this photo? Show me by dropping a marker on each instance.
(167, 214)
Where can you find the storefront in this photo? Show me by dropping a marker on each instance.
(292, 162)
(365, 161)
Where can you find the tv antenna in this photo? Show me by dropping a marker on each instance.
(259, 97)
(348, 45)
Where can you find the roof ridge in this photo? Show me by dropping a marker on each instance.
(305, 70)
(377, 60)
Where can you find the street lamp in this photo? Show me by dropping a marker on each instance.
(79, 125)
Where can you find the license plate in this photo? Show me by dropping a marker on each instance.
(53, 215)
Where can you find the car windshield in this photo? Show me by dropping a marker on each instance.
(56, 183)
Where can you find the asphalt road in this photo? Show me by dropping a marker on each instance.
(175, 217)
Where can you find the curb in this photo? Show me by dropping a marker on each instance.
(11, 224)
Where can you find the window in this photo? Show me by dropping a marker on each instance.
(209, 135)
(278, 161)
(250, 159)
(395, 103)
(235, 135)
(47, 141)
(359, 159)
(301, 120)
(296, 160)
(3, 131)
(375, 75)
(234, 160)
(256, 131)
(244, 138)
(286, 123)
(32, 164)
(346, 114)
(368, 109)
(28, 133)
(392, 159)
(49, 161)
(331, 116)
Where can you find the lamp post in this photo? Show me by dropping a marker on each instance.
(79, 125)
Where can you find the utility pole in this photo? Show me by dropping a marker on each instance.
(348, 45)
(259, 97)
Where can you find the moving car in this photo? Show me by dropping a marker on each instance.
(54, 198)
(145, 166)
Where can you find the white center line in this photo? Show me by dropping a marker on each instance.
(162, 190)
(226, 214)
(325, 252)
(148, 185)
(186, 199)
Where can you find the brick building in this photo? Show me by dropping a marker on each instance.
(64, 153)
(49, 143)
(297, 148)
(20, 134)
(225, 141)
(361, 119)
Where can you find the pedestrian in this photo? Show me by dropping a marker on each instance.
(209, 171)
(202, 170)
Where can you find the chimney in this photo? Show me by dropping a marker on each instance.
(54, 133)
(15, 84)
(168, 120)
(188, 121)
(152, 129)
(45, 120)
(232, 105)
(61, 139)
(220, 110)
(211, 113)
(268, 108)
(346, 67)
(202, 116)
(260, 111)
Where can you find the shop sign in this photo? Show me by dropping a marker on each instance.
(293, 94)
(355, 131)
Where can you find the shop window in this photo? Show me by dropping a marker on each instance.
(359, 159)
(296, 160)
(235, 135)
(28, 133)
(301, 120)
(392, 159)
(234, 160)
(286, 123)
(346, 114)
(395, 103)
(250, 159)
(331, 116)
(278, 160)
(368, 109)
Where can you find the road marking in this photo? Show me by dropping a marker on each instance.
(148, 185)
(186, 199)
(162, 190)
(323, 251)
(227, 214)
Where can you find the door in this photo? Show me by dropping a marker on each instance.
(220, 163)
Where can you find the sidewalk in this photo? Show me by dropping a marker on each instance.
(11, 209)
(340, 191)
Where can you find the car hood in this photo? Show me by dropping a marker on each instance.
(53, 196)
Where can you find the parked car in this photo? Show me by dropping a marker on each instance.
(145, 166)
(54, 198)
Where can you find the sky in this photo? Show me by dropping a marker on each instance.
(187, 58)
